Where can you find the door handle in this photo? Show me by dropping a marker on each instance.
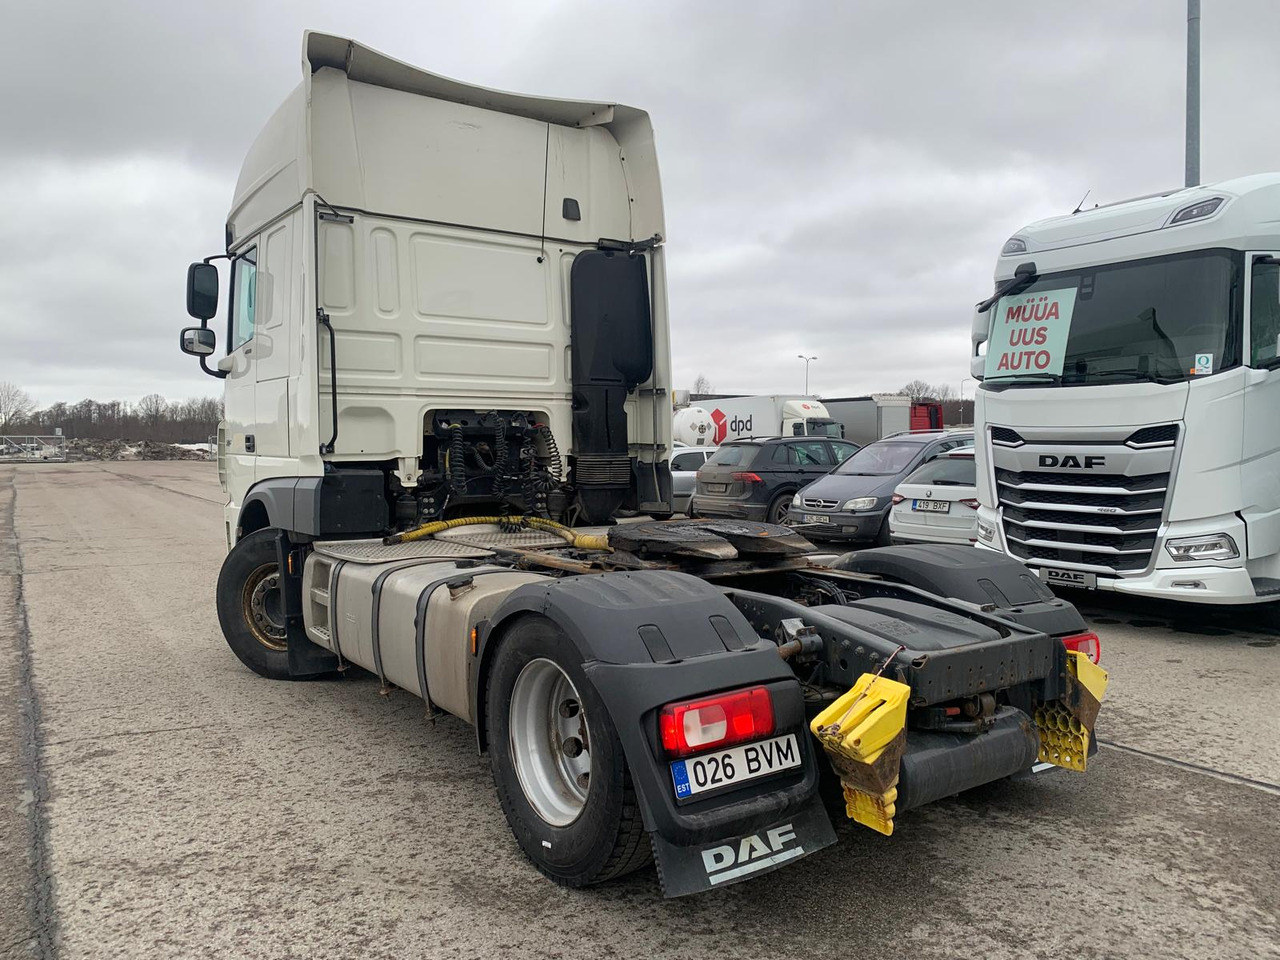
(250, 445)
(248, 351)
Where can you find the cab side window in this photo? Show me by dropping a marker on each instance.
(812, 454)
(1264, 313)
(244, 295)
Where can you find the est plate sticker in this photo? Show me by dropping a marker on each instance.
(1204, 364)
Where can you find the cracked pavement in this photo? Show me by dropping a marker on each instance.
(195, 810)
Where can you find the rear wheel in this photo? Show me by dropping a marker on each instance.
(778, 508)
(250, 605)
(560, 771)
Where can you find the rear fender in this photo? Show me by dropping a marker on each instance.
(646, 639)
(983, 578)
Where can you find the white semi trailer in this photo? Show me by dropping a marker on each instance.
(1127, 418)
(446, 333)
(770, 416)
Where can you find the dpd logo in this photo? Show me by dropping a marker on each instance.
(724, 424)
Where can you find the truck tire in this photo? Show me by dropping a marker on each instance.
(249, 605)
(559, 767)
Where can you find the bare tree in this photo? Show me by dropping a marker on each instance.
(943, 392)
(152, 409)
(702, 386)
(917, 390)
(15, 406)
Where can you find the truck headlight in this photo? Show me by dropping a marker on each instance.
(986, 531)
(861, 503)
(1215, 546)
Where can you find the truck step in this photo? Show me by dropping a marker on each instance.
(1266, 586)
(320, 596)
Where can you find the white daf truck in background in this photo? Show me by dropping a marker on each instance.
(446, 339)
(1128, 419)
(772, 416)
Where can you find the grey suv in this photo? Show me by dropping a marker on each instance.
(755, 479)
(853, 501)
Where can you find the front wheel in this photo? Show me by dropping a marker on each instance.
(251, 608)
(559, 768)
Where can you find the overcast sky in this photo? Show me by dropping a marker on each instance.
(839, 176)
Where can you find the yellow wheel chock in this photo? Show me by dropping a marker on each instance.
(864, 734)
(1066, 725)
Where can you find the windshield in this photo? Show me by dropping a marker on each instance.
(946, 472)
(881, 459)
(1164, 319)
(824, 428)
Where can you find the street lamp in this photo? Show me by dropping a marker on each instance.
(806, 371)
(962, 383)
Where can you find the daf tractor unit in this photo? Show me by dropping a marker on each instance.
(447, 345)
(1127, 414)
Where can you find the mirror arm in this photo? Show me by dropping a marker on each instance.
(204, 365)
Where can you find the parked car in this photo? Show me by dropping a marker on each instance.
(853, 501)
(756, 479)
(938, 502)
(685, 463)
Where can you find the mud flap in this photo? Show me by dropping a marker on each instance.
(709, 866)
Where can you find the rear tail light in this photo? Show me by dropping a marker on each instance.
(691, 726)
(747, 477)
(897, 498)
(970, 503)
(1086, 643)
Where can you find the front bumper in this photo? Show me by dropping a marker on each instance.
(839, 525)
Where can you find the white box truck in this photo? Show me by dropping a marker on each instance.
(870, 418)
(772, 416)
(446, 332)
(1127, 415)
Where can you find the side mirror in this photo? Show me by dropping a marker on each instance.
(198, 341)
(202, 291)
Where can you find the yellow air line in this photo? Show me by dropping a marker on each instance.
(582, 541)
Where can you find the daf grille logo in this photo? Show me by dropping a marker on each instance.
(1071, 463)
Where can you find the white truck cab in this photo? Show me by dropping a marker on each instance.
(452, 249)
(1128, 421)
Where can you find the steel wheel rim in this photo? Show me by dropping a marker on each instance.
(550, 742)
(260, 603)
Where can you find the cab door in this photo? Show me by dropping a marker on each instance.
(274, 320)
(1260, 460)
(240, 385)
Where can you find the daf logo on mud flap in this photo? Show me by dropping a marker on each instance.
(752, 853)
(1070, 462)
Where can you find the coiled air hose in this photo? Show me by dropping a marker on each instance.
(583, 541)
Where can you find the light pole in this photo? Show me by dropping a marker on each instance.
(962, 383)
(806, 371)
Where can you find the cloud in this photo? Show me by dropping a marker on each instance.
(838, 177)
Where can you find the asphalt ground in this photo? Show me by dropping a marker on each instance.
(161, 801)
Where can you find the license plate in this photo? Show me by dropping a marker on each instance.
(1069, 578)
(815, 518)
(716, 487)
(727, 768)
(931, 506)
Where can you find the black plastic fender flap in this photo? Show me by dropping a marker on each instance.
(649, 638)
(981, 577)
(685, 870)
